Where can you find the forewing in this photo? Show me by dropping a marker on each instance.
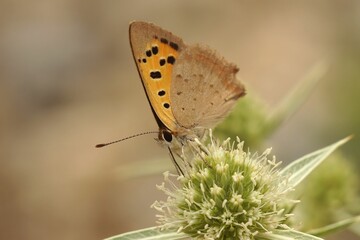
(155, 51)
(204, 88)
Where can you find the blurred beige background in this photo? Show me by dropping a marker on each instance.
(68, 81)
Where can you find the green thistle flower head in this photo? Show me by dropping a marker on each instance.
(226, 194)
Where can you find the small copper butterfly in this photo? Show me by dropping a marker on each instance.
(189, 87)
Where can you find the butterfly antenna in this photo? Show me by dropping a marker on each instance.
(123, 139)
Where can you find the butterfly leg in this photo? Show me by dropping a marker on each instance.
(186, 163)
(177, 166)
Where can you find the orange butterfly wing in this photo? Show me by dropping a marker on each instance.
(155, 52)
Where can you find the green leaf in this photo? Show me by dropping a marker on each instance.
(287, 235)
(335, 226)
(151, 233)
(302, 167)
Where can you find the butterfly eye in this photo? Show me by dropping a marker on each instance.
(167, 136)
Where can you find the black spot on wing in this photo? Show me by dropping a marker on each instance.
(155, 50)
(174, 46)
(166, 105)
(162, 62)
(171, 59)
(164, 40)
(148, 53)
(161, 93)
(155, 74)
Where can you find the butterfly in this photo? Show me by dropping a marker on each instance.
(190, 88)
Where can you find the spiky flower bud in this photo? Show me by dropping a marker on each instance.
(226, 194)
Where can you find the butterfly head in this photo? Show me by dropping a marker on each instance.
(170, 140)
(165, 135)
(179, 137)
(173, 139)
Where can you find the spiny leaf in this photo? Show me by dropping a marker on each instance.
(302, 167)
(335, 226)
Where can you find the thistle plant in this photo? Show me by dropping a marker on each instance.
(229, 193)
(226, 194)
